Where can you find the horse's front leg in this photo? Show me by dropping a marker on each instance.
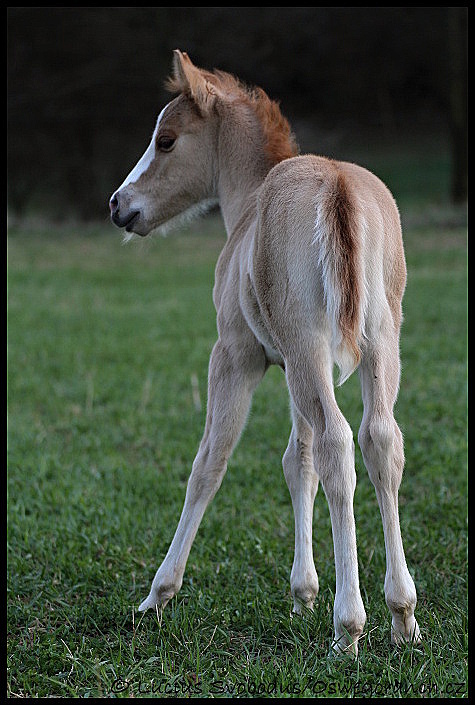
(236, 367)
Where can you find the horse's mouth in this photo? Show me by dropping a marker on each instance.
(131, 222)
(126, 221)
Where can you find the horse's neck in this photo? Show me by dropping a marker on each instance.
(242, 168)
(236, 203)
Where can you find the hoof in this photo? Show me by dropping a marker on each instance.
(345, 646)
(304, 594)
(301, 608)
(407, 633)
(347, 634)
(148, 604)
(160, 593)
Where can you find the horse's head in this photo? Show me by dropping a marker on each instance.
(176, 171)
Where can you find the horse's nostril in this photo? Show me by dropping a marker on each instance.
(114, 204)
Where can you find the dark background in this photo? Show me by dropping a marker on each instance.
(85, 86)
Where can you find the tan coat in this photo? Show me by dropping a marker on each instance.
(312, 275)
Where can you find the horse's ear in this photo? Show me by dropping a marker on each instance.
(188, 78)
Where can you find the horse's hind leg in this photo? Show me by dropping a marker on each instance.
(309, 377)
(302, 481)
(382, 447)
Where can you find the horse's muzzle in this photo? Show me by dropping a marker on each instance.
(123, 219)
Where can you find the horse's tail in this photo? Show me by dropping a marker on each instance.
(339, 237)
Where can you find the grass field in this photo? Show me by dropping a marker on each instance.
(103, 425)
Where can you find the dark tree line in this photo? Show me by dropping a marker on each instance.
(84, 84)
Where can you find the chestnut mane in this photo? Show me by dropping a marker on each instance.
(280, 142)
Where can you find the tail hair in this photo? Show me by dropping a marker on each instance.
(338, 238)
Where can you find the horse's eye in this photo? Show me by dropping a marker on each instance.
(165, 144)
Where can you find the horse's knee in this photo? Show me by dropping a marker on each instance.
(298, 460)
(209, 467)
(376, 434)
(336, 457)
(381, 443)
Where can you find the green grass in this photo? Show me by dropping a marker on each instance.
(103, 428)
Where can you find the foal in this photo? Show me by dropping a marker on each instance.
(312, 275)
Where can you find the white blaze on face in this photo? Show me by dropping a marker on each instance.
(146, 159)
